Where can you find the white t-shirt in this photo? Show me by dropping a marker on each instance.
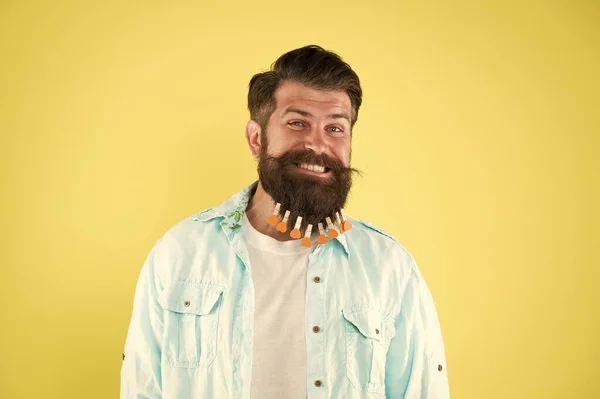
(279, 276)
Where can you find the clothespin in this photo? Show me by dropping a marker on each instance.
(332, 233)
(346, 225)
(338, 221)
(322, 239)
(282, 226)
(272, 220)
(306, 240)
(296, 232)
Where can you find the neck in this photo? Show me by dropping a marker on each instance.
(259, 208)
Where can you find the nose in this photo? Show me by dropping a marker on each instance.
(315, 141)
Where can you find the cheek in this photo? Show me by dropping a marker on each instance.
(342, 152)
(278, 142)
(278, 148)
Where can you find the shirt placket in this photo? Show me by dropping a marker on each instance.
(316, 326)
(243, 331)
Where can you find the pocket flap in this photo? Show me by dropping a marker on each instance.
(191, 297)
(367, 321)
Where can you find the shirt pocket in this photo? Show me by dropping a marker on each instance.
(191, 322)
(368, 335)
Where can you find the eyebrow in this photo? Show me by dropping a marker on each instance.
(339, 115)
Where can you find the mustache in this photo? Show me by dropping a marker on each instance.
(311, 157)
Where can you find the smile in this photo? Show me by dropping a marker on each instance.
(316, 169)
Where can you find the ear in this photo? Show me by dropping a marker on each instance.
(253, 137)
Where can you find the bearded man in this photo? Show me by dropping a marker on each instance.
(277, 293)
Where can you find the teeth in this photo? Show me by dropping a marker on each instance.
(314, 168)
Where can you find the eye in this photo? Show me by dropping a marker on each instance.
(335, 129)
(296, 123)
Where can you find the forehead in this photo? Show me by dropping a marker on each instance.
(294, 94)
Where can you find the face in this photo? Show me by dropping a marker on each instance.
(304, 161)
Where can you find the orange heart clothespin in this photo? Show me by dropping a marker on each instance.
(272, 220)
(296, 232)
(346, 224)
(322, 239)
(282, 226)
(338, 222)
(332, 232)
(306, 242)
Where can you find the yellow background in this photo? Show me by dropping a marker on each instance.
(478, 138)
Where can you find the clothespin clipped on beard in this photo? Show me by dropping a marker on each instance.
(342, 222)
(332, 233)
(346, 225)
(322, 239)
(272, 220)
(306, 242)
(295, 234)
(338, 222)
(282, 226)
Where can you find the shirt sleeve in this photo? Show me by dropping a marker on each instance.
(141, 370)
(416, 362)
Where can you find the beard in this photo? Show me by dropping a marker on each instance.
(312, 197)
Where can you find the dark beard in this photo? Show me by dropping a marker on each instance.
(312, 197)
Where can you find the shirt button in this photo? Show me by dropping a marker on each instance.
(440, 368)
(316, 329)
(186, 303)
(317, 279)
(318, 383)
(377, 331)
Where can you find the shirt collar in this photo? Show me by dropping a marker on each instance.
(232, 212)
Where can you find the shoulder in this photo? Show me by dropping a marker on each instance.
(180, 243)
(188, 230)
(415, 290)
(375, 236)
(380, 247)
(371, 228)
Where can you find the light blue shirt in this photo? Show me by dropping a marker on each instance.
(191, 331)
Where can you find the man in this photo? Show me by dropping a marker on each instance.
(230, 302)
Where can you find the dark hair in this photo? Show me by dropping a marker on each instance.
(312, 66)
